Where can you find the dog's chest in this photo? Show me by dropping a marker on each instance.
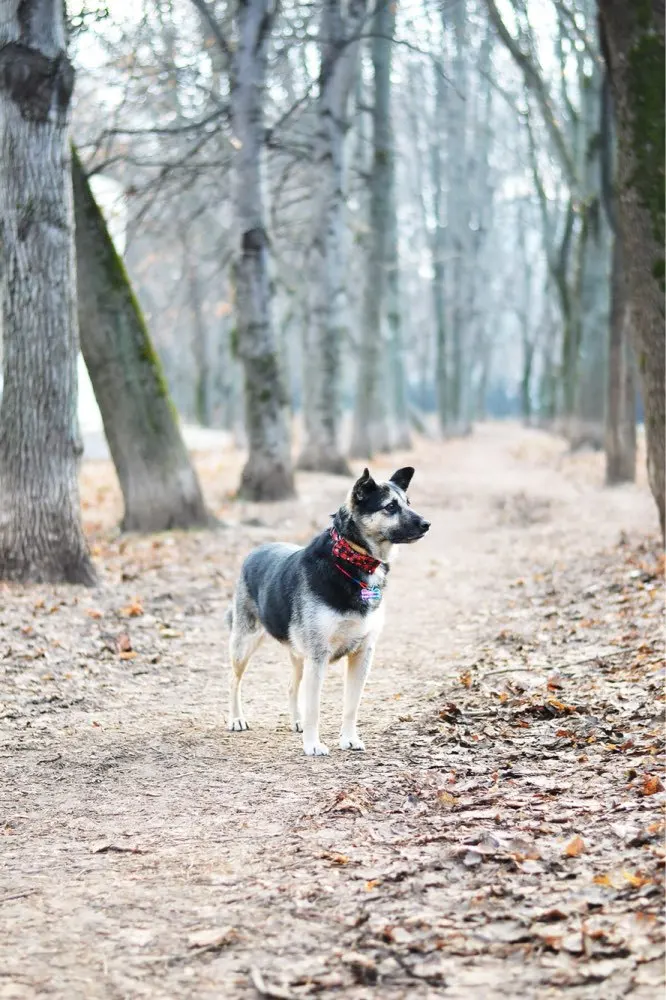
(346, 633)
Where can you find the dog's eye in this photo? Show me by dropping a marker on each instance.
(391, 508)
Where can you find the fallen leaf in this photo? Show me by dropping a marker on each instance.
(127, 654)
(133, 610)
(651, 785)
(94, 613)
(337, 859)
(446, 799)
(575, 847)
(466, 679)
(372, 884)
(636, 879)
(123, 643)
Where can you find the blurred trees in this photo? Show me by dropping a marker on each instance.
(379, 216)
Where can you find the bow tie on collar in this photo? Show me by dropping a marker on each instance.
(354, 554)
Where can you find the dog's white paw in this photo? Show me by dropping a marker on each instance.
(315, 749)
(237, 725)
(296, 727)
(351, 743)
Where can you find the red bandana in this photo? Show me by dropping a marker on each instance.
(342, 549)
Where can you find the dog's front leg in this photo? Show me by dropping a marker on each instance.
(313, 679)
(358, 668)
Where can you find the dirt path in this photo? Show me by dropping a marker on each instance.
(502, 836)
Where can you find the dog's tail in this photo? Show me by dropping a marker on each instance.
(229, 617)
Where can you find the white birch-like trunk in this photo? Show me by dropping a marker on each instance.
(268, 473)
(41, 538)
(327, 321)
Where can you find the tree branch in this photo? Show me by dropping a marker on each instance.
(211, 21)
(535, 83)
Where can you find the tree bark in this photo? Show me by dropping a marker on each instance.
(438, 247)
(160, 487)
(326, 330)
(41, 537)
(620, 445)
(633, 44)
(458, 214)
(268, 473)
(370, 428)
(401, 432)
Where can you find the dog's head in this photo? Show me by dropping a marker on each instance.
(382, 511)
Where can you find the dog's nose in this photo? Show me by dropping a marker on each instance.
(425, 525)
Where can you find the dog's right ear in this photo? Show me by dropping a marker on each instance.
(363, 487)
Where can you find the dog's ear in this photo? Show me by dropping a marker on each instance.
(363, 486)
(403, 477)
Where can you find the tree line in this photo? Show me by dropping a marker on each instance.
(348, 207)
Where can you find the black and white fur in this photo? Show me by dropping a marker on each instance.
(299, 596)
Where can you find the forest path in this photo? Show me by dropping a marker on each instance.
(501, 837)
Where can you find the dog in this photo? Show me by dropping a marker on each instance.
(323, 601)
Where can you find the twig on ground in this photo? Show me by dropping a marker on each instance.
(561, 666)
(17, 895)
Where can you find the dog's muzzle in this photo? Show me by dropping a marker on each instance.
(417, 531)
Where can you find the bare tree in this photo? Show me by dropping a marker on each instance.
(338, 53)
(41, 538)
(633, 46)
(371, 430)
(268, 473)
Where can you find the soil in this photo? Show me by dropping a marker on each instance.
(503, 835)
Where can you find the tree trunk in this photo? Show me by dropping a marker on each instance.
(41, 538)
(526, 380)
(458, 216)
(621, 392)
(402, 437)
(160, 487)
(202, 395)
(438, 244)
(370, 429)
(321, 400)
(633, 43)
(268, 473)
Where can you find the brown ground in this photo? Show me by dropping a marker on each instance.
(502, 836)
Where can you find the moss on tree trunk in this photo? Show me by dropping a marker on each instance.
(159, 484)
(633, 43)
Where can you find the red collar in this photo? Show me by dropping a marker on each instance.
(354, 554)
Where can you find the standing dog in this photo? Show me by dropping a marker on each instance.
(324, 602)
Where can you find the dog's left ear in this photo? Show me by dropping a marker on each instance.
(403, 477)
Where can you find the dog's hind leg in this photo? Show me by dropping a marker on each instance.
(244, 641)
(294, 685)
(358, 668)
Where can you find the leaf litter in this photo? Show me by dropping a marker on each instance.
(502, 837)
